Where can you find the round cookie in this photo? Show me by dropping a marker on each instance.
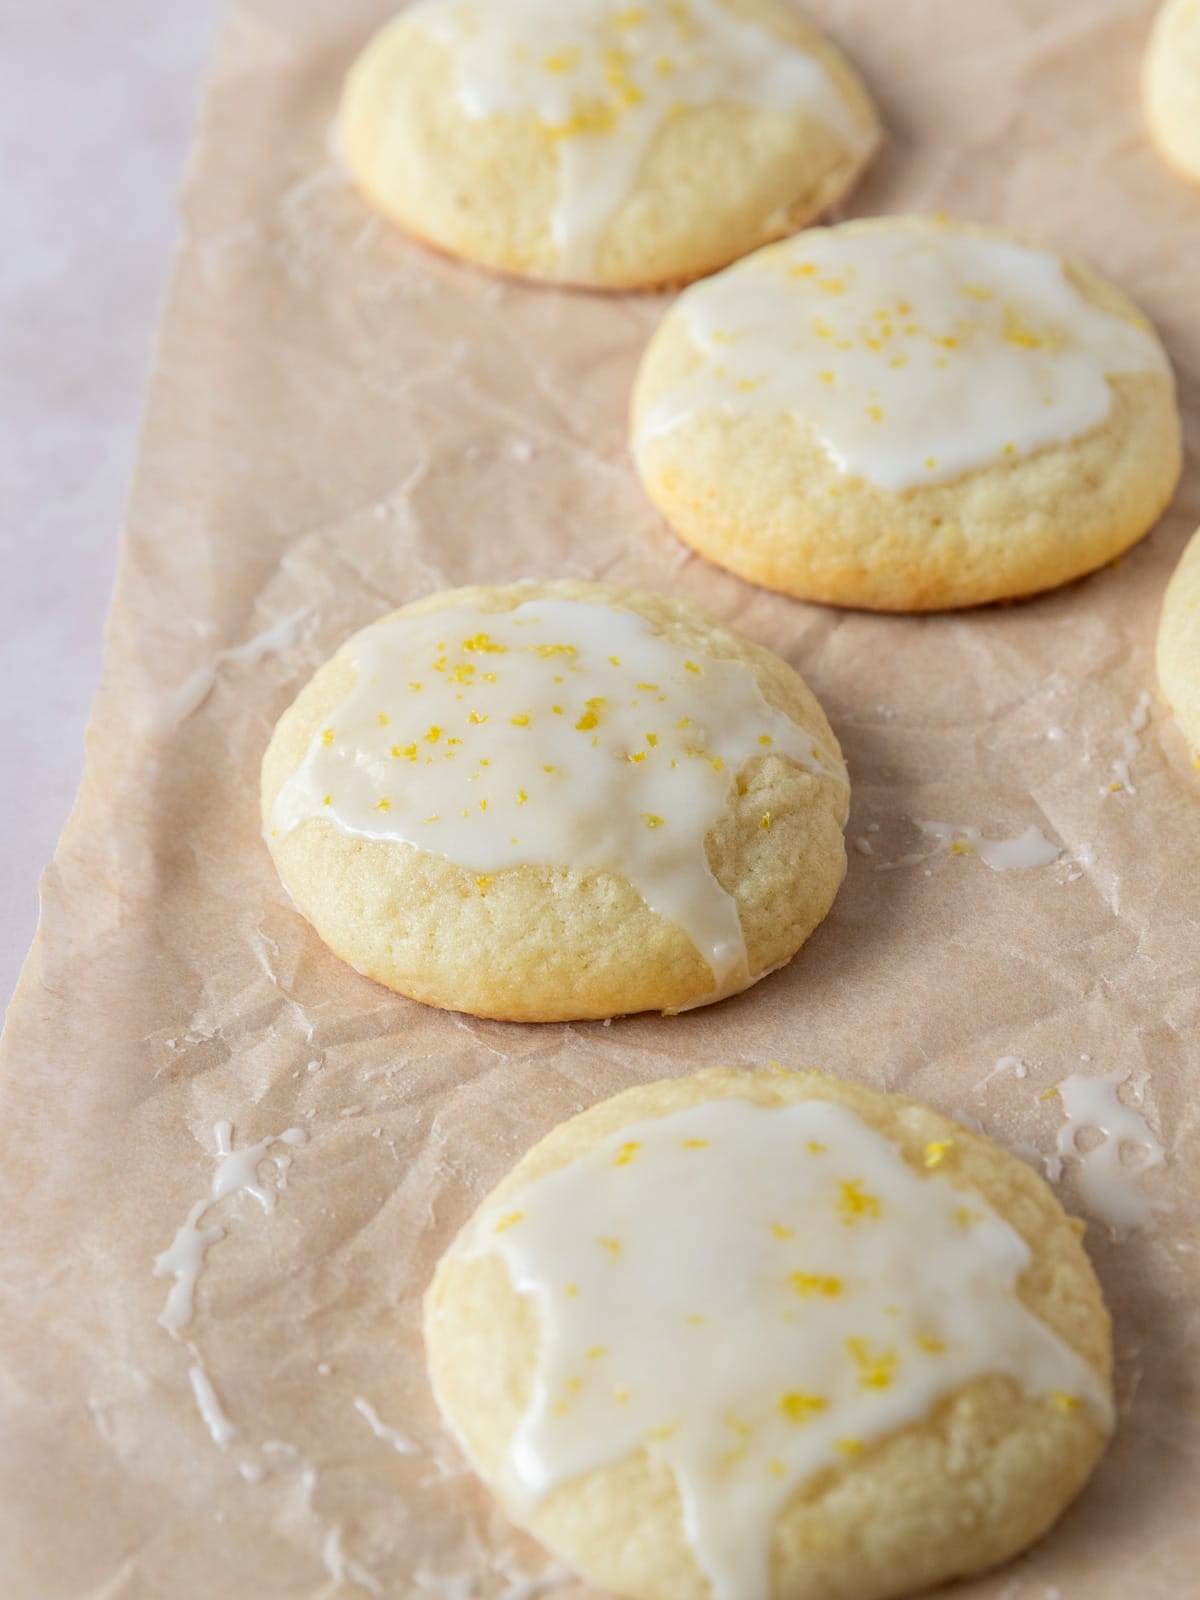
(1179, 645)
(1171, 85)
(906, 414)
(772, 1335)
(553, 801)
(603, 143)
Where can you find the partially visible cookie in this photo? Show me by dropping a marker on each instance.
(1179, 645)
(1171, 85)
(906, 414)
(772, 1336)
(603, 142)
(561, 800)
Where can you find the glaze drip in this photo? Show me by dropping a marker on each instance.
(913, 353)
(752, 1295)
(560, 733)
(604, 76)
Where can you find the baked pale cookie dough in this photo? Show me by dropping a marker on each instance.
(776, 1336)
(599, 142)
(906, 414)
(1179, 645)
(557, 800)
(1171, 85)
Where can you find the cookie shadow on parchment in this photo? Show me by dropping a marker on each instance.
(874, 903)
(791, 1015)
(1138, 1497)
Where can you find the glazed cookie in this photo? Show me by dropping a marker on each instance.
(777, 1336)
(599, 142)
(907, 415)
(1171, 85)
(1179, 645)
(555, 801)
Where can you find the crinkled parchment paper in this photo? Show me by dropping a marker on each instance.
(339, 422)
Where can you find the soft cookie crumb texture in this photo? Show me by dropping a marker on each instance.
(758, 1295)
(555, 735)
(906, 413)
(588, 142)
(1179, 645)
(1171, 85)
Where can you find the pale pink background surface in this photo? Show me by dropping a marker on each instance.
(97, 104)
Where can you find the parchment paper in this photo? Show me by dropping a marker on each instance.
(339, 422)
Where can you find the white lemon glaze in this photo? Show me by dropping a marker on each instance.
(1109, 1184)
(236, 1172)
(560, 733)
(1028, 849)
(400, 1442)
(605, 75)
(914, 353)
(751, 1295)
(212, 1413)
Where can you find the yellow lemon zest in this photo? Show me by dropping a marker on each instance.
(876, 1369)
(936, 1151)
(855, 1203)
(799, 1407)
(810, 1283)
